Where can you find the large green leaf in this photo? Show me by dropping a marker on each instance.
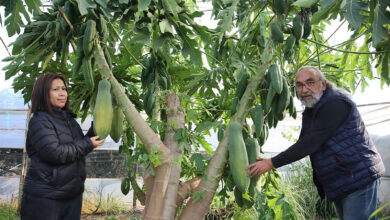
(327, 6)
(305, 3)
(171, 6)
(34, 6)
(381, 17)
(353, 13)
(143, 5)
(84, 5)
(13, 20)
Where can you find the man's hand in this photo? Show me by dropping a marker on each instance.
(96, 142)
(263, 165)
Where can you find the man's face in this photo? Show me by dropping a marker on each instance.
(309, 87)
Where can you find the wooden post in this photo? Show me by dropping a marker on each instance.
(24, 161)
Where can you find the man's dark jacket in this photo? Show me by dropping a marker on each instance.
(348, 160)
(56, 147)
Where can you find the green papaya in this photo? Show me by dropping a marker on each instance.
(88, 73)
(280, 7)
(238, 158)
(257, 115)
(89, 35)
(297, 27)
(276, 78)
(103, 111)
(117, 124)
(276, 33)
(241, 86)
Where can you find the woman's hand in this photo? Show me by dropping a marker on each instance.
(96, 142)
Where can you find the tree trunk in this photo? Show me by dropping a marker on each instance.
(175, 121)
(150, 139)
(197, 210)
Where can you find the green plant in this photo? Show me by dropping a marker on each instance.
(8, 211)
(95, 201)
(301, 193)
(378, 210)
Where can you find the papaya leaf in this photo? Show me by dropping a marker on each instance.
(102, 3)
(199, 161)
(84, 5)
(13, 20)
(305, 3)
(352, 13)
(171, 6)
(327, 6)
(165, 26)
(34, 6)
(204, 125)
(143, 5)
(381, 17)
(199, 195)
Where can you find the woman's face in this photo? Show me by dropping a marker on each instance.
(58, 94)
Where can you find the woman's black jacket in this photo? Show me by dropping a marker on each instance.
(56, 147)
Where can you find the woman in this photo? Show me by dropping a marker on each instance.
(57, 148)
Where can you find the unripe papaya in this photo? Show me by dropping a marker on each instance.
(276, 78)
(234, 106)
(270, 96)
(284, 98)
(297, 27)
(89, 35)
(306, 29)
(280, 6)
(241, 86)
(257, 116)
(276, 33)
(289, 43)
(117, 124)
(88, 73)
(79, 57)
(238, 158)
(103, 111)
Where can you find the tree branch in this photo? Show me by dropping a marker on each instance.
(65, 18)
(9, 54)
(346, 51)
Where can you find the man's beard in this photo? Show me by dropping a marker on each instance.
(311, 103)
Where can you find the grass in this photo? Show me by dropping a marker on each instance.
(96, 202)
(301, 193)
(8, 211)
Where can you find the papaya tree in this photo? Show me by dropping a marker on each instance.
(125, 57)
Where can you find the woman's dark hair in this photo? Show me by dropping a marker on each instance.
(40, 96)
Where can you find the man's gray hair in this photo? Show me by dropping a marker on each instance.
(329, 84)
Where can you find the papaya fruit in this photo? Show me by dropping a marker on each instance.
(103, 111)
(276, 33)
(257, 116)
(117, 124)
(280, 7)
(88, 73)
(241, 86)
(79, 57)
(284, 99)
(297, 27)
(276, 78)
(238, 158)
(89, 35)
(233, 108)
(270, 96)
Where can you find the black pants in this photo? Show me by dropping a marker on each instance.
(38, 208)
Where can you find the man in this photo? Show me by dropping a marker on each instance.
(346, 165)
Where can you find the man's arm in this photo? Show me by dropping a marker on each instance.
(328, 119)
